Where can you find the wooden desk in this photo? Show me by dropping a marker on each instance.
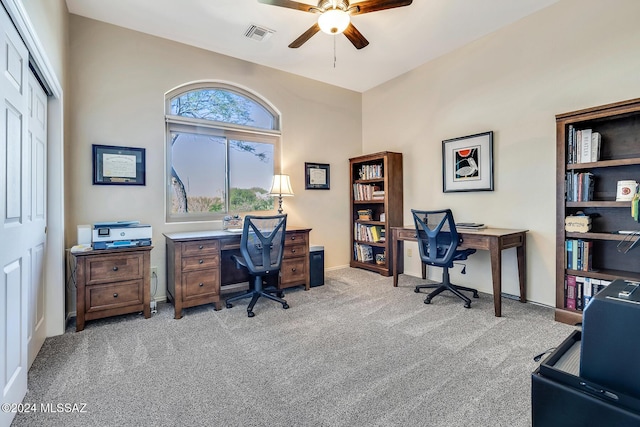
(493, 240)
(200, 266)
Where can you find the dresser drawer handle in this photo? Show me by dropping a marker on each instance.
(201, 261)
(293, 269)
(201, 284)
(200, 247)
(115, 295)
(293, 237)
(293, 251)
(115, 268)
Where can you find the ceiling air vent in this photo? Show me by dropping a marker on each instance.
(258, 33)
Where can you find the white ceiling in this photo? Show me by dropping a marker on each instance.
(400, 39)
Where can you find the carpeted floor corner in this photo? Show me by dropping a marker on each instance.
(354, 352)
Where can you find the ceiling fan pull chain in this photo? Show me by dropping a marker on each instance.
(334, 51)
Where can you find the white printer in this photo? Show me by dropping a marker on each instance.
(120, 234)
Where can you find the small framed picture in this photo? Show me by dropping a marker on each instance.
(118, 165)
(467, 163)
(316, 176)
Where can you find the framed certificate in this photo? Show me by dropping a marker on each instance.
(316, 176)
(118, 165)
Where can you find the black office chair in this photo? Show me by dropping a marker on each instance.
(438, 242)
(261, 246)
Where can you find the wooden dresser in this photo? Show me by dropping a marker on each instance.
(200, 266)
(111, 282)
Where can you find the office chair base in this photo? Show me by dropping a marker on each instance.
(255, 295)
(452, 288)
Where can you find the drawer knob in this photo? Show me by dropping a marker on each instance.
(200, 247)
(293, 237)
(293, 251)
(293, 269)
(201, 284)
(115, 268)
(201, 261)
(115, 295)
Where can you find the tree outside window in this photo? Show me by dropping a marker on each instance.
(221, 156)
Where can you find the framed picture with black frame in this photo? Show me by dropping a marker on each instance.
(316, 176)
(467, 163)
(114, 165)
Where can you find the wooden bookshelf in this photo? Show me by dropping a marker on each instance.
(381, 171)
(619, 127)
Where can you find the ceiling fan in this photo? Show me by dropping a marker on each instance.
(335, 17)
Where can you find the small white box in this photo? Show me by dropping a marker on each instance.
(84, 234)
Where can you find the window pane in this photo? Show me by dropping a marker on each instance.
(198, 163)
(222, 106)
(250, 173)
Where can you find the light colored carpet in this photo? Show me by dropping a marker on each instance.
(354, 352)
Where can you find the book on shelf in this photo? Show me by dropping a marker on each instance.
(363, 253)
(583, 145)
(580, 290)
(370, 172)
(578, 254)
(579, 186)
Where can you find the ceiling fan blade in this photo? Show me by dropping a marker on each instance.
(290, 4)
(355, 37)
(375, 5)
(305, 36)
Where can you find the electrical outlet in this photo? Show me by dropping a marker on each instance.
(154, 271)
(409, 252)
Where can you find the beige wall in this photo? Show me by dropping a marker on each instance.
(572, 55)
(119, 81)
(50, 19)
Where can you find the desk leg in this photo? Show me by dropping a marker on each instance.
(398, 246)
(522, 268)
(496, 274)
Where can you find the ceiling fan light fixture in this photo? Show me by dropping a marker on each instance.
(334, 21)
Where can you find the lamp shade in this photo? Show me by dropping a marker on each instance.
(281, 186)
(334, 21)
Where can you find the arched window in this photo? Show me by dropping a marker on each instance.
(223, 148)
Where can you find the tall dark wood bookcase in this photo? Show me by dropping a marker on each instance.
(619, 127)
(375, 172)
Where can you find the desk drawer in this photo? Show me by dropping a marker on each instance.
(112, 268)
(295, 238)
(293, 271)
(199, 283)
(294, 251)
(112, 296)
(406, 234)
(200, 247)
(193, 263)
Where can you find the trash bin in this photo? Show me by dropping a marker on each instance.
(316, 265)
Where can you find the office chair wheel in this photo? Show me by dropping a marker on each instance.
(285, 306)
(475, 295)
(416, 290)
(467, 305)
(229, 305)
(280, 294)
(250, 313)
(427, 300)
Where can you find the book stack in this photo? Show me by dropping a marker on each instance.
(578, 254)
(579, 186)
(362, 253)
(368, 233)
(579, 290)
(370, 172)
(365, 215)
(377, 195)
(583, 145)
(364, 191)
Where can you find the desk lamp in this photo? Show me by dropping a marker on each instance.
(281, 187)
